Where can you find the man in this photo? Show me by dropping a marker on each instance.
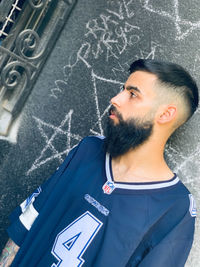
(115, 201)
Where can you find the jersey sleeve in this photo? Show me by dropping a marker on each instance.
(22, 218)
(172, 250)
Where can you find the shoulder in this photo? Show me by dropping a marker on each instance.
(90, 146)
(93, 139)
(186, 199)
(92, 142)
(185, 203)
(175, 202)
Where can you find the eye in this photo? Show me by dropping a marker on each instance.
(133, 94)
(122, 88)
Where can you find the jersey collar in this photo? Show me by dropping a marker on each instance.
(136, 186)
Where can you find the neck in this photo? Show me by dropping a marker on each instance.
(144, 163)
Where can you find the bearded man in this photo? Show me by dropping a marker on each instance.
(114, 201)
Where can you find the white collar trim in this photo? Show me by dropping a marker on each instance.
(136, 186)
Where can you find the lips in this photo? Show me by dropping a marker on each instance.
(112, 116)
(112, 113)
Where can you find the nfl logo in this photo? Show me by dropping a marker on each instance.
(108, 187)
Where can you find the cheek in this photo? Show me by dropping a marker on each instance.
(139, 111)
(145, 107)
(128, 112)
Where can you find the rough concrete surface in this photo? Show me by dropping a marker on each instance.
(88, 65)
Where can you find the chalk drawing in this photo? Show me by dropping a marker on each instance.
(125, 9)
(120, 14)
(98, 113)
(143, 53)
(149, 54)
(129, 12)
(117, 69)
(41, 160)
(108, 36)
(68, 69)
(111, 34)
(57, 130)
(186, 161)
(112, 37)
(114, 34)
(81, 55)
(54, 91)
(196, 66)
(175, 18)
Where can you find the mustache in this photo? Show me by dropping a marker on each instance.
(113, 110)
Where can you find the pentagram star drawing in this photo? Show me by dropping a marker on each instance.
(64, 128)
(183, 27)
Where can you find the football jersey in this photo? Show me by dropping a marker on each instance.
(81, 217)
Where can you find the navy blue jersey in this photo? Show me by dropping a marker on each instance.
(81, 217)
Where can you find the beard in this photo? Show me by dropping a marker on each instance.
(125, 135)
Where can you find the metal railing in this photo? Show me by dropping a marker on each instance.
(8, 13)
(26, 44)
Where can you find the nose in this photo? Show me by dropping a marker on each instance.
(119, 99)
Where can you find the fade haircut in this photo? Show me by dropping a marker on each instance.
(173, 77)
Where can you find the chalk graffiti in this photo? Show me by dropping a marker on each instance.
(57, 130)
(98, 113)
(105, 35)
(183, 27)
(109, 36)
(58, 83)
(66, 123)
(185, 164)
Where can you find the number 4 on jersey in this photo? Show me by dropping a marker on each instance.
(72, 242)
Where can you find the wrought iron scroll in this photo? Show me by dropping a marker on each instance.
(24, 51)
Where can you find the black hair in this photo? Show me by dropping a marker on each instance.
(173, 75)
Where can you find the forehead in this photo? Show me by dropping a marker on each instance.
(144, 81)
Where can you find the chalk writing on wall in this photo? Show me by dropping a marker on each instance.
(108, 37)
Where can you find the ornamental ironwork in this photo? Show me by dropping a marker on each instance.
(28, 32)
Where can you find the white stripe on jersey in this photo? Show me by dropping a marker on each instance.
(137, 186)
(28, 217)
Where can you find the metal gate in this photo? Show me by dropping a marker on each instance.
(28, 32)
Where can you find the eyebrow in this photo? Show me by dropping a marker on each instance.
(130, 87)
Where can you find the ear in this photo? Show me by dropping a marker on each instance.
(167, 114)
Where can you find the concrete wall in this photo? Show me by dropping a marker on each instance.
(86, 68)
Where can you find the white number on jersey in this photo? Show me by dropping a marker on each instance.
(71, 243)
